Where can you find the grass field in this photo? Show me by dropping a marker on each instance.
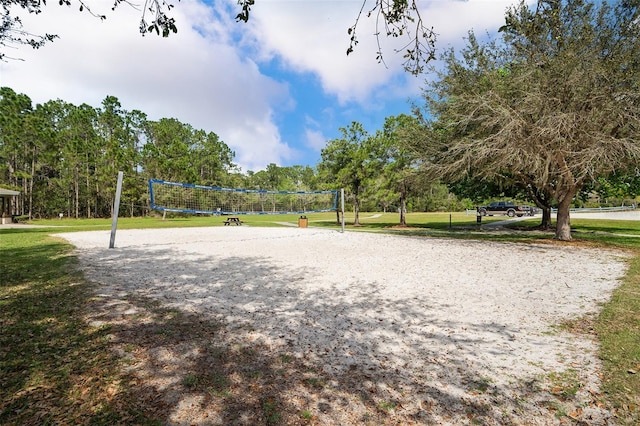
(56, 369)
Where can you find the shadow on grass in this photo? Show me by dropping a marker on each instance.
(54, 368)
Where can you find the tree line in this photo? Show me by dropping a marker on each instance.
(64, 158)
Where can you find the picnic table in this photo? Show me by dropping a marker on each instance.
(232, 220)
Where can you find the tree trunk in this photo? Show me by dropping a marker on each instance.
(88, 188)
(338, 217)
(16, 206)
(563, 222)
(356, 210)
(542, 198)
(33, 173)
(403, 206)
(546, 217)
(76, 188)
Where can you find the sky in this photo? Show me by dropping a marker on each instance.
(275, 89)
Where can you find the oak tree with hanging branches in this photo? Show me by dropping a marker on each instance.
(552, 105)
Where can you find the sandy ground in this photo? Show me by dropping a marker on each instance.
(437, 324)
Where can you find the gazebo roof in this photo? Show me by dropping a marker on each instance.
(8, 192)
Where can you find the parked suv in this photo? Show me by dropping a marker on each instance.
(506, 208)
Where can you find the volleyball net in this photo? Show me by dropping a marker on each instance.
(199, 199)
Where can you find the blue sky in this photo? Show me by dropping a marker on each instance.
(275, 90)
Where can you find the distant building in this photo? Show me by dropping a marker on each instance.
(7, 205)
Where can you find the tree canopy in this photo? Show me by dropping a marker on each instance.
(348, 162)
(63, 157)
(551, 106)
(400, 175)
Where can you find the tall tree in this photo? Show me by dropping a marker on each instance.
(553, 106)
(82, 147)
(351, 162)
(134, 190)
(166, 154)
(401, 174)
(51, 189)
(299, 178)
(214, 159)
(14, 109)
(116, 151)
(15, 120)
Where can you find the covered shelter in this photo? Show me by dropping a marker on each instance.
(6, 212)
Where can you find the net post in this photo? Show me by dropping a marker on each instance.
(152, 200)
(116, 208)
(342, 206)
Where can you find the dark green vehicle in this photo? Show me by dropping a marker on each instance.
(506, 208)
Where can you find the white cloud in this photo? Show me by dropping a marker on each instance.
(452, 20)
(311, 36)
(315, 139)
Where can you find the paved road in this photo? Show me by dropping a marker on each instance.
(623, 215)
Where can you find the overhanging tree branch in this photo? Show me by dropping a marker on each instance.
(399, 18)
(394, 18)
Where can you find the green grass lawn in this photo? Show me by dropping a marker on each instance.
(56, 369)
